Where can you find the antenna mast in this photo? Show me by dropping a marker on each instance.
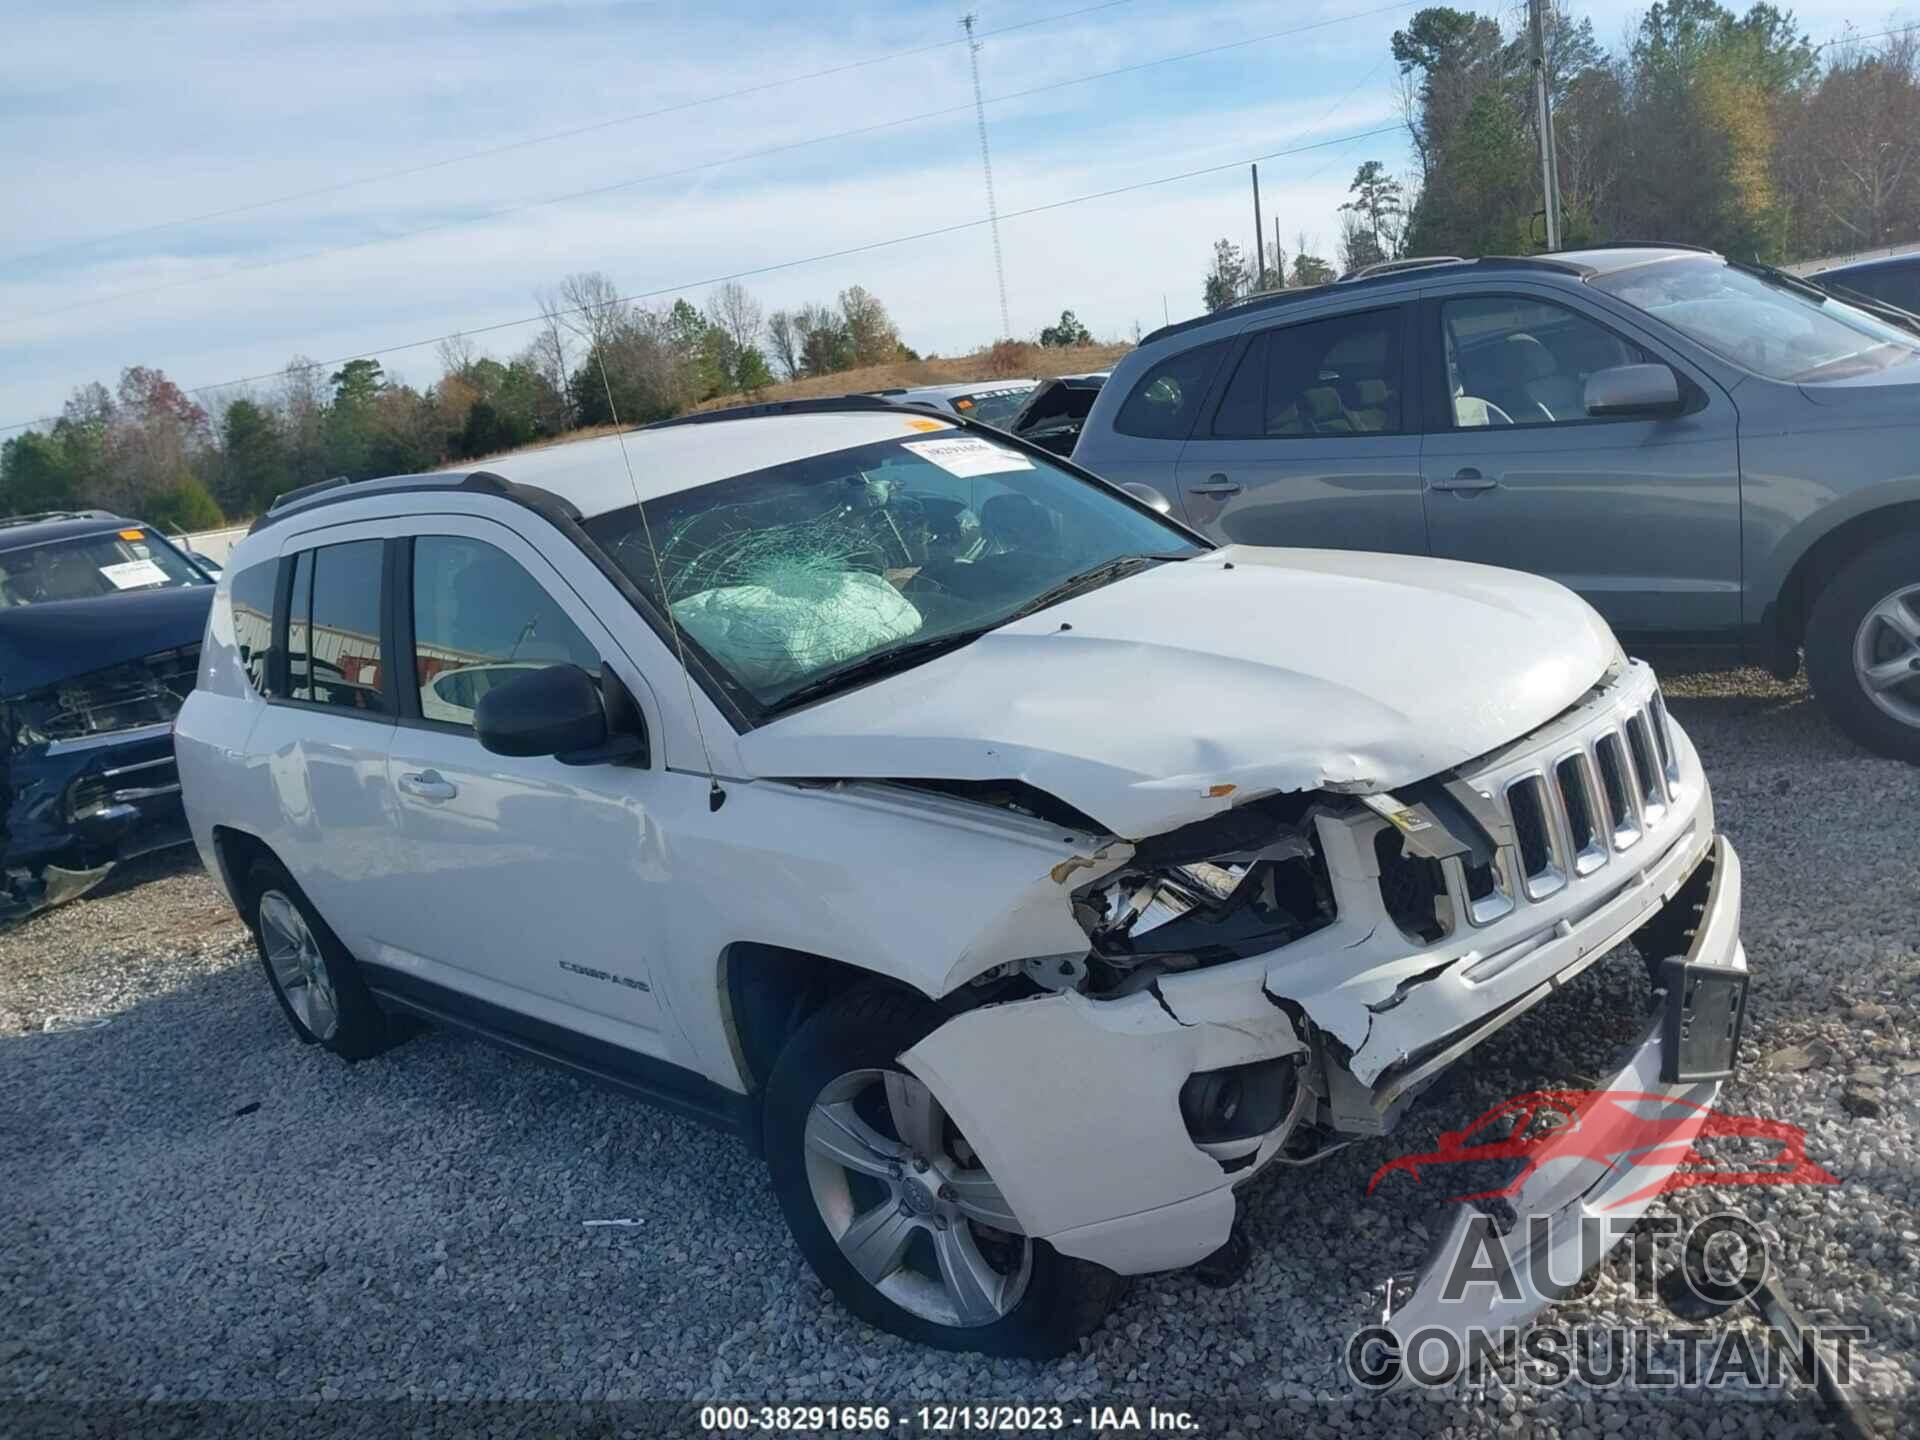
(986, 166)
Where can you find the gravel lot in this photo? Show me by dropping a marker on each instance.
(196, 1207)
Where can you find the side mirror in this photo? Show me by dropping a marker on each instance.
(549, 711)
(1147, 495)
(1633, 390)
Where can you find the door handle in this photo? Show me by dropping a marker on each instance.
(428, 785)
(1216, 484)
(1467, 481)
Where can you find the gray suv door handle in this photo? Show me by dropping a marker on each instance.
(429, 785)
(1215, 484)
(1467, 480)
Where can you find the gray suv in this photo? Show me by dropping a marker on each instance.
(1712, 455)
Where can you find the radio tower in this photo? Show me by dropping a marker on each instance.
(986, 166)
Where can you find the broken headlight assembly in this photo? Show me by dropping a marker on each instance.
(103, 702)
(1224, 888)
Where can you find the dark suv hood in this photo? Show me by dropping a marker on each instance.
(42, 644)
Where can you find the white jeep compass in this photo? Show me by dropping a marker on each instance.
(1016, 870)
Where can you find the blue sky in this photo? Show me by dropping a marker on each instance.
(117, 117)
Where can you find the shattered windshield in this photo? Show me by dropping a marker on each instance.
(804, 578)
(1778, 330)
(107, 564)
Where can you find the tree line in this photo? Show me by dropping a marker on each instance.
(1708, 127)
(147, 449)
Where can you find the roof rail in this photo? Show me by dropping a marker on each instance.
(42, 516)
(826, 405)
(286, 499)
(1394, 267)
(485, 482)
(1634, 245)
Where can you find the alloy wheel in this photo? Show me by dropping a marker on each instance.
(1886, 655)
(298, 966)
(908, 1203)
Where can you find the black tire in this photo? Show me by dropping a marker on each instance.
(867, 1029)
(1842, 607)
(359, 1030)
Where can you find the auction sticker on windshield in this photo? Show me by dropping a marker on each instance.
(968, 455)
(131, 574)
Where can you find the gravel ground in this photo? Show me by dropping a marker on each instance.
(196, 1207)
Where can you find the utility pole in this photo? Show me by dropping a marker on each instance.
(986, 167)
(1543, 120)
(1259, 235)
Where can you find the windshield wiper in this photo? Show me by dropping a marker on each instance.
(879, 663)
(1105, 573)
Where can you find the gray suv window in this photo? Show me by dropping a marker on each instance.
(1339, 376)
(1163, 405)
(1516, 361)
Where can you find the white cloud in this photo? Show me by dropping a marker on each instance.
(209, 106)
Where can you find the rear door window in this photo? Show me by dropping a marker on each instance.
(333, 628)
(1338, 376)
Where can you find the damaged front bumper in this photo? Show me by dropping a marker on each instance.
(1075, 1104)
(1574, 1206)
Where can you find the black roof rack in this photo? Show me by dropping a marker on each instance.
(1633, 245)
(327, 492)
(40, 517)
(1405, 262)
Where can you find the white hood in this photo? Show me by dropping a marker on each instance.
(1264, 670)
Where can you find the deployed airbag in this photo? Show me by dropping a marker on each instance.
(796, 621)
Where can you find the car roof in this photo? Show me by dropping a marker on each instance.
(25, 531)
(591, 475)
(1906, 261)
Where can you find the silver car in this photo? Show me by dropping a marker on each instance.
(1712, 454)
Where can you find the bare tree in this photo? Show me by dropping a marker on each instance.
(733, 310)
(457, 353)
(303, 401)
(588, 303)
(788, 341)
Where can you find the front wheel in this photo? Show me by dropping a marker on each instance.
(1863, 648)
(891, 1205)
(319, 988)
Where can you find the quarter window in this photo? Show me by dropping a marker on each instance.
(1513, 361)
(1339, 376)
(333, 629)
(479, 620)
(1163, 405)
(252, 603)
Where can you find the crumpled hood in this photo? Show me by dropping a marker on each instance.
(42, 644)
(1264, 670)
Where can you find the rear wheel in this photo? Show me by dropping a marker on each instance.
(319, 988)
(893, 1208)
(1863, 648)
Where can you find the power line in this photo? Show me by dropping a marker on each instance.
(1860, 39)
(548, 137)
(375, 241)
(748, 274)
